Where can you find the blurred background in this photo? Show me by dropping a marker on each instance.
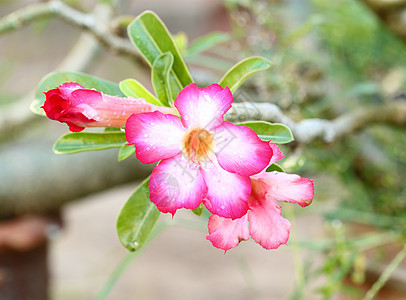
(331, 59)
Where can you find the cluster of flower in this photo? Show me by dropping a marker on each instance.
(202, 159)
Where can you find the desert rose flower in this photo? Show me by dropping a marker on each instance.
(263, 220)
(79, 107)
(203, 158)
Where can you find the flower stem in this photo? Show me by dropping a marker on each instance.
(296, 253)
(386, 274)
(126, 262)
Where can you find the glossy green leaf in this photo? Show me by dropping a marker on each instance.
(137, 218)
(88, 141)
(206, 42)
(277, 133)
(199, 210)
(152, 38)
(133, 88)
(164, 84)
(242, 70)
(275, 167)
(125, 152)
(53, 80)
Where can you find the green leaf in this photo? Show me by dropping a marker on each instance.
(164, 83)
(206, 42)
(152, 38)
(125, 152)
(242, 70)
(199, 210)
(88, 141)
(55, 79)
(277, 133)
(275, 167)
(133, 88)
(137, 218)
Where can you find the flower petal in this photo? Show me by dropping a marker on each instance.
(268, 228)
(57, 100)
(227, 233)
(203, 107)
(68, 87)
(240, 150)
(155, 135)
(277, 153)
(288, 187)
(84, 102)
(79, 107)
(176, 184)
(228, 193)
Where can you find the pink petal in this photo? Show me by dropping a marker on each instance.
(58, 99)
(110, 111)
(240, 150)
(68, 87)
(228, 193)
(85, 96)
(288, 187)
(277, 153)
(75, 128)
(79, 107)
(227, 233)
(268, 228)
(203, 107)
(176, 184)
(54, 104)
(155, 135)
(84, 102)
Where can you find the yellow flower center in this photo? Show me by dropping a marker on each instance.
(197, 144)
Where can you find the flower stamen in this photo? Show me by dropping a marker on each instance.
(197, 144)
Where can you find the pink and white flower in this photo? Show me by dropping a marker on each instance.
(263, 220)
(79, 107)
(203, 158)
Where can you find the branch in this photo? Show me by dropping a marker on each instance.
(328, 131)
(35, 180)
(89, 22)
(17, 115)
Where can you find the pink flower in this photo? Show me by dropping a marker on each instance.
(204, 158)
(79, 107)
(263, 219)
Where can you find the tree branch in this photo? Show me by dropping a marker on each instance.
(328, 131)
(35, 180)
(305, 131)
(17, 115)
(88, 22)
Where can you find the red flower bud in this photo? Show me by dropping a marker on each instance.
(79, 107)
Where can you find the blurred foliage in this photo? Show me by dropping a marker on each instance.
(331, 57)
(358, 45)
